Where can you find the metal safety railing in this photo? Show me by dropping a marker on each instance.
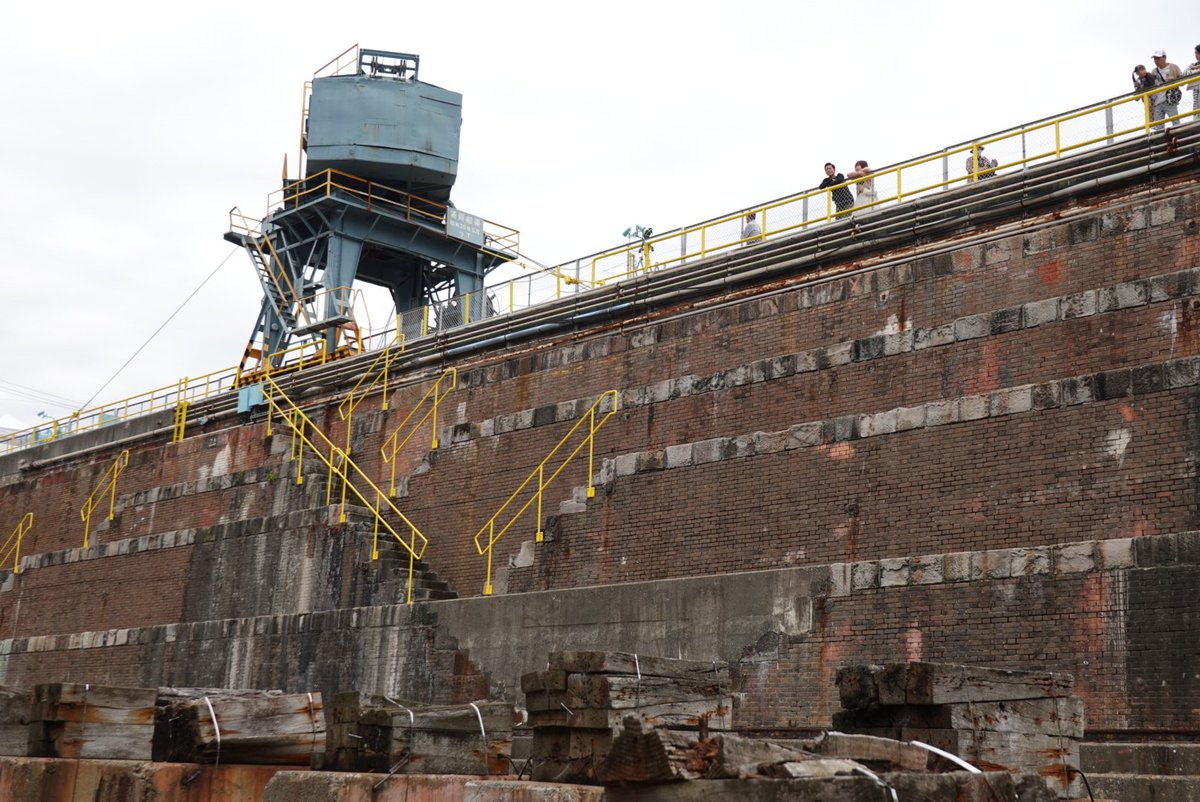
(382, 198)
(604, 408)
(156, 400)
(1017, 148)
(306, 434)
(430, 403)
(107, 484)
(377, 374)
(12, 546)
(1041, 141)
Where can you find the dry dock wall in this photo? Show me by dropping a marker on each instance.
(978, 447)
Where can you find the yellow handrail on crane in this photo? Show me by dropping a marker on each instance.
(340, 465)
(606, 406)
(391, 447)
(13, 544)
(107, 484)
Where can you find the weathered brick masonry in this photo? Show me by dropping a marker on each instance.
(871, 428)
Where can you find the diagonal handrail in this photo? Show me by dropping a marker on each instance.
(340, 465)
(13, 544)
(107, 484)
(383, 363)
(434, 395)
(606, 406)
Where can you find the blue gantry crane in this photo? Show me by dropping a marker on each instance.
(379, 157)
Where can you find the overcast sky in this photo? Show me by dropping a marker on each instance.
(129, 130)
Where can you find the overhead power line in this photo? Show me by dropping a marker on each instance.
(170, 317)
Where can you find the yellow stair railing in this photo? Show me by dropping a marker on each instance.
(107, 484)
(605, 407)
(433, 397)
(340, 465)
(12, 546)
(378, 368)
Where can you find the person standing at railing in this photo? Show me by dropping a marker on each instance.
(1166, 103)
(866, 186)
(1194, 69)
(842, 198)
(751, 231)
(978, 165)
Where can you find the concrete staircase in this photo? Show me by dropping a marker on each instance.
(389, 574)
(1143, 772)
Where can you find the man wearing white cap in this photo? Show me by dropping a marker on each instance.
(1166, 103)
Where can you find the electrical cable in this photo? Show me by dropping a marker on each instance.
(34, 394)
(170, 317)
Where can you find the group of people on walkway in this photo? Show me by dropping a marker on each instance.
(1165, 104)
(843, 200)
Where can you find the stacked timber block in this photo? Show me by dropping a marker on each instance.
(579, 704)
(91, 721)
(15, 705)
(993, 718)
(377, 733)
(203, 725)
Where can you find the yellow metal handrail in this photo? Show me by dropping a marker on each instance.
(606, 405)
(107, 484)
(1019, 147)
(341, 466)
(12, 546)
(434, 395)
(327, 183)
(160, 398)
(383, 363)
(1100, 122)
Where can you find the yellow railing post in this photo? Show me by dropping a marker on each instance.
(487, 585)
(540, 535)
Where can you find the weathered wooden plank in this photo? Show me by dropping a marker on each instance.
(716, 714)
(105, 696)
(619, 691)
(858, 687)
(881, 754)
(14, 739)
(1051, 716)
(1005, 751)
(79, 711)
(921, 683)
(629, 663)
(636, 755)
(15, 705)
(440, 753)
(550, 680)
(570, 744)
(78, 740)
(282, 729)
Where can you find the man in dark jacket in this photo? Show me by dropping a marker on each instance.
(842, 198)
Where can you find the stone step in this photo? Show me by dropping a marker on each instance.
(1144, 788)
(1168, 759)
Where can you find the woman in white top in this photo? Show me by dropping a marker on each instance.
(866, 187)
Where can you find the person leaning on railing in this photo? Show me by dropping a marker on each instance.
(979, 165)
(1166, 103)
